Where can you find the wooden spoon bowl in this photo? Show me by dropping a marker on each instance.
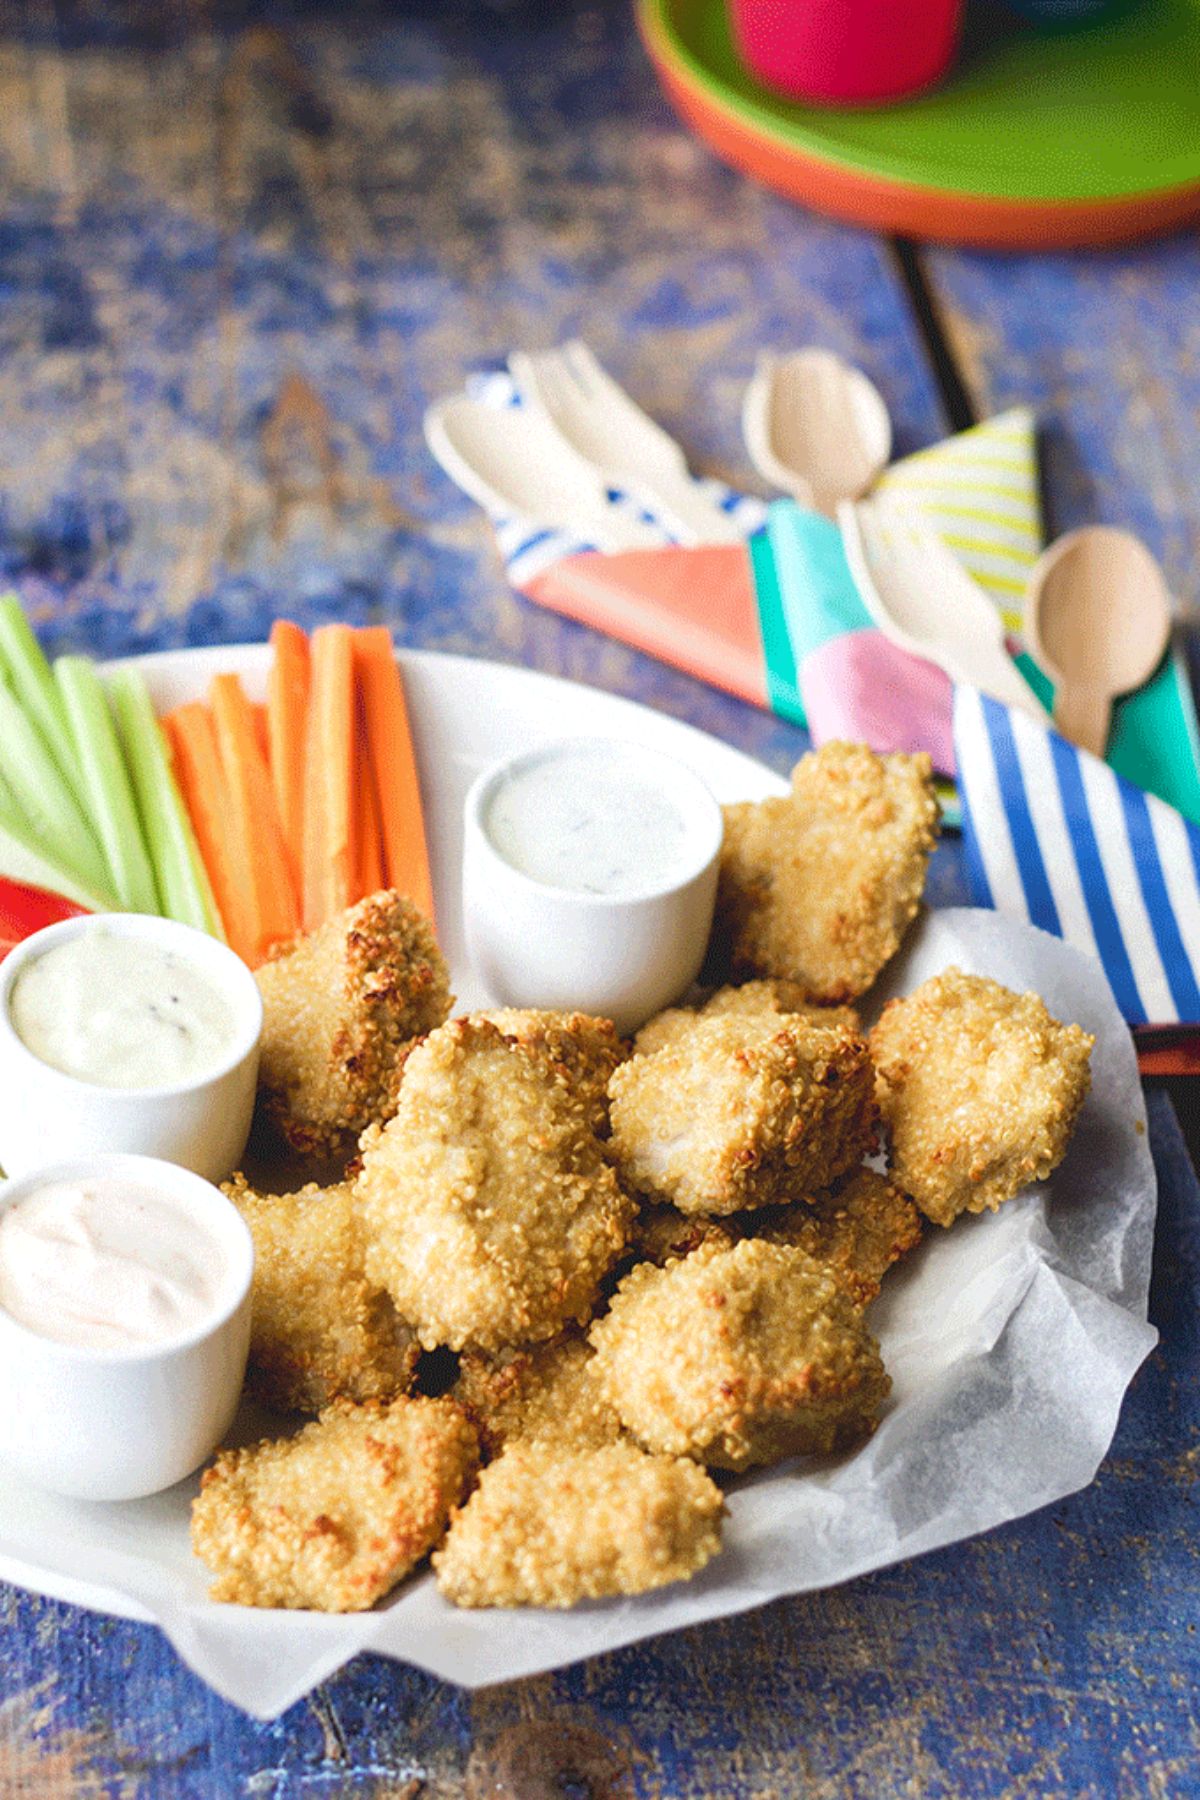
(816, 427)
(1098, 620)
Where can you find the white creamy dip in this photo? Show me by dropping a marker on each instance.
(106, 1265)
(121, 1012)
(590, 818)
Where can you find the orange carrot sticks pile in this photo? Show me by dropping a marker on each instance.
(303, 806)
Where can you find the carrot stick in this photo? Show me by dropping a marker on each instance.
(371, 868)
(197, 765)
(256, 834)
(330, 859)
(406, 855)
(287, 716)
(262, 731)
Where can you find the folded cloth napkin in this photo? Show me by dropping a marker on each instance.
(777, 621)
(1054, 836)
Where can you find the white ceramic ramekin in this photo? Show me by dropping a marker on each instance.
(201, 1124)
(619, 956)
(117, 1425)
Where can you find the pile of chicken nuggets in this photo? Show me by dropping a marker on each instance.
(562, 1279)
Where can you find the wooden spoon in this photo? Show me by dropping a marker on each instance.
(1098, 619)
(816, 427)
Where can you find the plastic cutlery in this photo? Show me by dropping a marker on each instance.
(816, 427)
(513, 463)
(1098, 619)
(598, 420)
(921, 597)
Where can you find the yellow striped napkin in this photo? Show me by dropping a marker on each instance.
(979, 491)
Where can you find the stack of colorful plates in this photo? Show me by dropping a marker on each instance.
(1035, 141)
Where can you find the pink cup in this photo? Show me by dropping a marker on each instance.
(846, 52)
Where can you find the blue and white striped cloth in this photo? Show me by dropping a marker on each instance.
(528, 550)
(1055, 836)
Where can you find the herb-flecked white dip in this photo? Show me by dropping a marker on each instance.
(590, 819)
(122, 1012)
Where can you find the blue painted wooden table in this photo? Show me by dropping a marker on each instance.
(241, 247)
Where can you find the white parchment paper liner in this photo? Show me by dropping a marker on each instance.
(1010, 1340)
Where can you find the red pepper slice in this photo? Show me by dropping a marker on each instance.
(24, 910)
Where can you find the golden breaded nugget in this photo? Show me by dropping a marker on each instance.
(781, 999)
(333, 1518)
(491, 1213)
(856, 1231)
(769, 999)
(319, 1329)
(340, 1005)
(980, 1089)
(819, 887)
(742, 1111)
(543, 1391)
(549, 1527)
(586, 1048)
(739, 1356)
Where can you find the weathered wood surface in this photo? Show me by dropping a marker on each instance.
(239, 251)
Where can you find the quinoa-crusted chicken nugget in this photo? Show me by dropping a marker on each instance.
(759, 999)
(549, 1527)
(539, 1391)
(980, 1089)
(333, 1518)
(340, 1004)
(739, 1356)
(742, 1111)
(319, 1329)
(820, 885)
(586, 1048)
(491, 1212)
(856, 1231)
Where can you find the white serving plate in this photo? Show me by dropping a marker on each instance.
(1011, 1341)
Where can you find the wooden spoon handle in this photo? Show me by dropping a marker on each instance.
(1083, 714)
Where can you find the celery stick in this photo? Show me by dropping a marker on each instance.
(106, 783)
(53, 813)
(32, 682)
(22, 859)
(11, 810)
(168, 829)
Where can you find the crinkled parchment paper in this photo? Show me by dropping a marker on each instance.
(1011, 1341)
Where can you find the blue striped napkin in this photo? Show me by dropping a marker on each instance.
(1054, 836)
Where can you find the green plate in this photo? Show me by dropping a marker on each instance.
(1108, 111)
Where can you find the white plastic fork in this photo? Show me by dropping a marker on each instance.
(921, 597)
(601, 423)
(512, 464)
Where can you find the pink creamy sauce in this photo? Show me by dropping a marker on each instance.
(105, 1264)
